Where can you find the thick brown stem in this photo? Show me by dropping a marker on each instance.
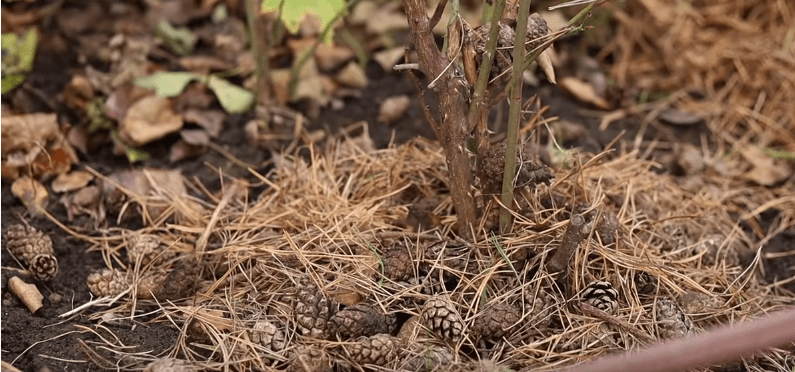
(575, 233)
(452, 105)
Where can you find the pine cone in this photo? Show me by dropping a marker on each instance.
(170, 365)
(601, 295)
(427, 358)
(379, 349)
(26, 242)
(108, 283)
(313, 309)
(309, 359)
(397, 263)
(267, 334)
(440, 315)
(671, 320)
(645, 283)
(145, 248)
(181, 281)
(539, 305)
(360, 320)
(450, 255)
(504, 58)
(496, 321)
(536, 29)
(44, 267)
(608, 228)
(711, 245)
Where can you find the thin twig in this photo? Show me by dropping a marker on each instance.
(437, 14)
(423, 101)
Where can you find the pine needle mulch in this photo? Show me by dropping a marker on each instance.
(731, 63)
(326, 239)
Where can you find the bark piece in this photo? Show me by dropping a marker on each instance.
(28, 293)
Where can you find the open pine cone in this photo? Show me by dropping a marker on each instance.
(170, 365)
(313, 309)
(360, 320)
(108, 282)
(44, 267)
(145, 248)
(397, 263)
(671, 320)
(379, 349)
(26, 242)
(601, 295)
(268, 335)
(440, 315)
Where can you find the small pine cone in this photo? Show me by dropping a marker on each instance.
(452, 256)
(608, 228)
(145, 248)
(711, 244)
(540, 306)
(429, 284)
(313, 309)
(267, 334)
(26, 242)
(427, 358)
(536, 29)
(505, 37)
(645, 283)
(601, 295)
(170, 365)
(108, 283)
(496, 321)
(397, 263)
(671, 320)
(150, 286)
(182, 280)
(440, 315)
(699, 303)
(379, 349)
(360, 320)
(309, 359)
(44, 267)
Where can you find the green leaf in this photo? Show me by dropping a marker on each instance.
(11, 81)
(134, 155)
(18, 54)
(180, 40)
(294, 11)
(233, 98)
(167, 84)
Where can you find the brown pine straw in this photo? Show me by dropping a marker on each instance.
(729, 62)
(721, 345)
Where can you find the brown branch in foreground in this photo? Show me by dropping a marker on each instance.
(575, 233)
(721, 345)
(452, 106)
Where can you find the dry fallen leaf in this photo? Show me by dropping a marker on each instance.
(149, 119)
(583, 92)
(182, 150)
(388, 58)
(71, 181)
(545, 63)
(31, 192)
(352, 75)
(765, 170)
(34, 141)
(393, 108)
(331, 57)
(211, 120)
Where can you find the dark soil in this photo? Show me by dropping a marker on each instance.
(43, 340)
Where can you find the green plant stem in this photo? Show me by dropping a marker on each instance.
(514, 115)
(485, 67)
(292, 84)
(581, 14)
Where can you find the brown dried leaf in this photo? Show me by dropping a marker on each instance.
(352, 75)
(765, 170)
(71, 181)
(545, 63)
(388, 58)
(204, 64)
(393, 108)
(149, 119)
(32, 193)
(330, 57)
(583, 92)
(211, 120)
